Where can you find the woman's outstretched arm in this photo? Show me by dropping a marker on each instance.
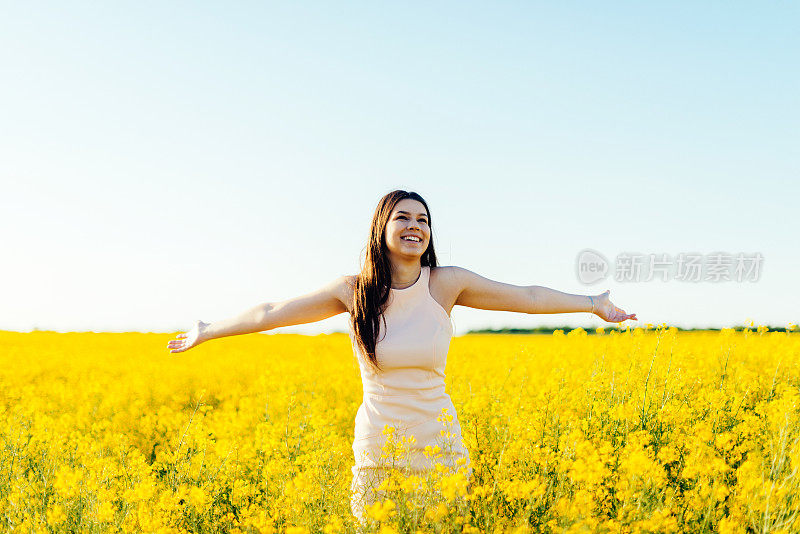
(316, 306)
(475, 291)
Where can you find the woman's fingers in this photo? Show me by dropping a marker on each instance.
(616, 314)
(179, 340)
(612, 313)
(185, 340)
(178, 345)
(622, 316)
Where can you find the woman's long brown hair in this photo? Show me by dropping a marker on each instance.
(375, 280)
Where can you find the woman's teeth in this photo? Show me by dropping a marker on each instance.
(413, 239)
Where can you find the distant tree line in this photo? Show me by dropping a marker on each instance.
(567, 329)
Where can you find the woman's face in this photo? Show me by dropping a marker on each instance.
(408, 220)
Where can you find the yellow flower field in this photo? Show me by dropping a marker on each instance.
(624, 431)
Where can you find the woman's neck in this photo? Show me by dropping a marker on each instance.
(405, 274)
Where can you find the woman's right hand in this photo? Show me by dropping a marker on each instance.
(606, 310)
(192, 338)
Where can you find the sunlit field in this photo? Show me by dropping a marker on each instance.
(619, 431)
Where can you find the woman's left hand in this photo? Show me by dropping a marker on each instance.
(605, 309)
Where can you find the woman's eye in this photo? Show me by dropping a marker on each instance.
(420, 220)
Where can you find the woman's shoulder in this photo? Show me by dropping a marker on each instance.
(348, 280)
(445, 278)
(345, 289)
(444, 271)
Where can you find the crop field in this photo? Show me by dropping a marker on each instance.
(644, 430)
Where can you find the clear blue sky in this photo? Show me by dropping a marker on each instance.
(165, 162)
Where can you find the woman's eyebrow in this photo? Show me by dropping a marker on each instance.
(421, 214)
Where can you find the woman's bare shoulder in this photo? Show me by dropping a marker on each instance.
(349, 281)
(444, 274)
(445, 282)
(345, 288)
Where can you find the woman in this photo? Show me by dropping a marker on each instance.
(400, 331)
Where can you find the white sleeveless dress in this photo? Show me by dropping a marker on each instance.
(408, 394)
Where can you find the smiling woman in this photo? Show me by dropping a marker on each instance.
(400, 332)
